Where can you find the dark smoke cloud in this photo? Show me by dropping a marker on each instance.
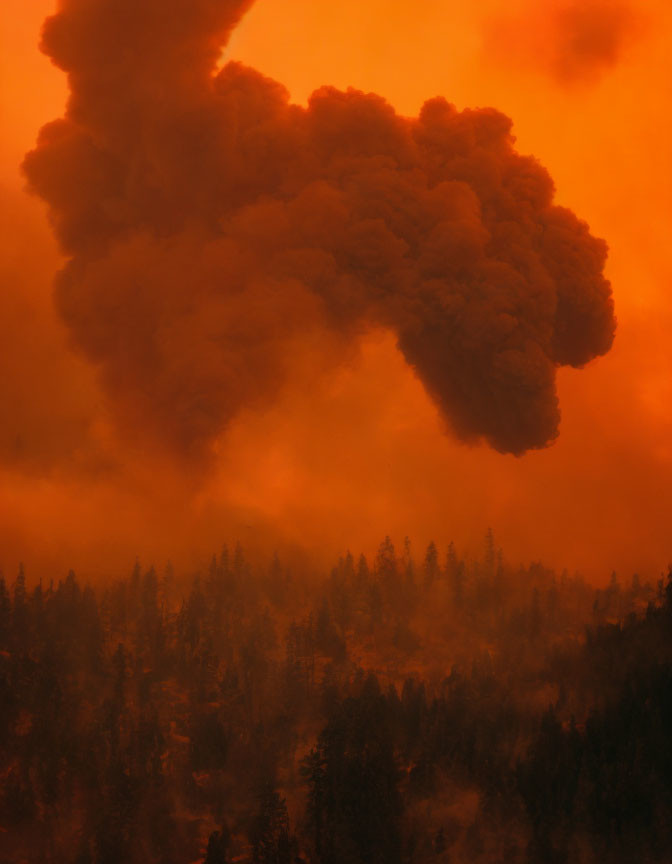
(591, 36)
(47, 396)
(210, 224)
(573, 41)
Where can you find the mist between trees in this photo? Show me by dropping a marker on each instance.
(403, 709)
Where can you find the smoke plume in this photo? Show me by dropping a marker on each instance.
(209, 225)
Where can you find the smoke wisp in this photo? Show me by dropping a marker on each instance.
(574, 42)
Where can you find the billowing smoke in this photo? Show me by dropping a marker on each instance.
(210, 225)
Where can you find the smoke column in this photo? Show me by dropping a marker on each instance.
(209, 225)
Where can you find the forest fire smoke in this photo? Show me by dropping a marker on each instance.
(210, 224)
(573, 41)
(246, 334)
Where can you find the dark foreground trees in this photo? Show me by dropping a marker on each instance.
(388, 714)
(354, 804)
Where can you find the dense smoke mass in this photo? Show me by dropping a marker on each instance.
(210, 224)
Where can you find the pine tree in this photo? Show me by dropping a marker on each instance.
(5, 614)
(269, 834)
(20, 611)
(431, 565)
(218, 847)
(386, 566)
(354, 802)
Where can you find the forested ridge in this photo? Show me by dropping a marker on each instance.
(427, 708)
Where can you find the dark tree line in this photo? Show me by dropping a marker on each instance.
(400, 710)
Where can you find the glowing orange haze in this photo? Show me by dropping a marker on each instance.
(366, 454)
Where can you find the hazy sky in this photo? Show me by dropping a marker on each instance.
(342, 458)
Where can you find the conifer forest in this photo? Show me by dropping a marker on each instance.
(407, 708)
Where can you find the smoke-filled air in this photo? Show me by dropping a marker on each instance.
(334, 502)
(208, 223)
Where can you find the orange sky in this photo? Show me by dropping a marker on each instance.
(365, 454)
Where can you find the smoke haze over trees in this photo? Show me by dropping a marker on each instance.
(274, 311)
(402, 709)
(349, 444)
